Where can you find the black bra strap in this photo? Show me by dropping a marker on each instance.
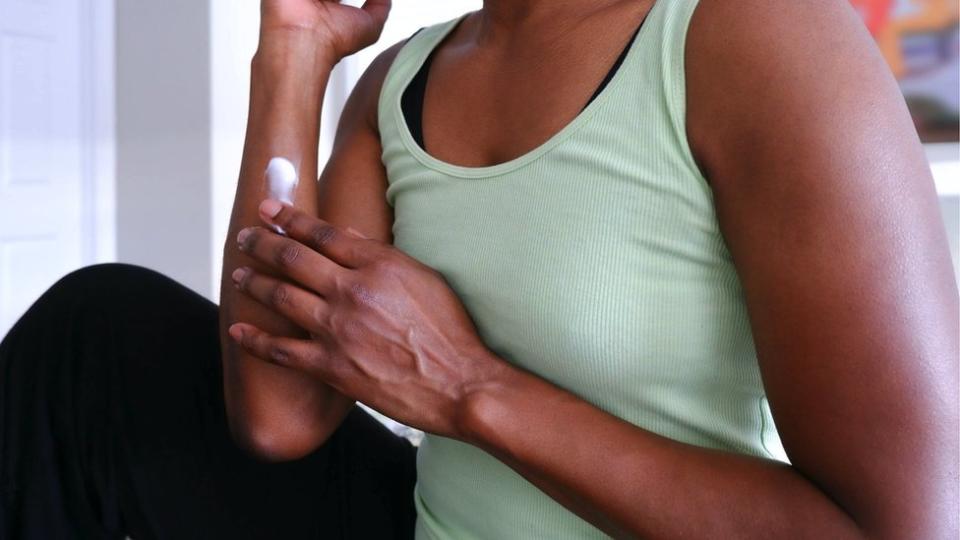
(411, 102)
(616, 65)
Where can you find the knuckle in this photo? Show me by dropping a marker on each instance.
(322, 234)
(279, 354)
(249, 243)
(341, 283)
(288, 254)
(279, 296)
(360, 294)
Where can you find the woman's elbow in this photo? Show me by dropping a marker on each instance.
(271, 444)
(272, 441)
(271, 435)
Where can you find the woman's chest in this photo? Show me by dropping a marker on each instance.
(564, 274)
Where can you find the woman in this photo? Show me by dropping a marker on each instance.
(595, 254)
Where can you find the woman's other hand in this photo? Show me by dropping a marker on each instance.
(386, 329)
(340, 29)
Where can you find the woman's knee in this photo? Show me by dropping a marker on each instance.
(73, 325)
(109, 313)
(101, 271)
(116, 295)
(104, 280)
(117, 288)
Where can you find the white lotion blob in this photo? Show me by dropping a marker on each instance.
(281, 177)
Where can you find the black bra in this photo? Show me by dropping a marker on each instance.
(412, 100)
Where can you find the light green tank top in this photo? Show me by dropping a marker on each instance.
(594, 261)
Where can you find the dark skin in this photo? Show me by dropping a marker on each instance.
(824, 199)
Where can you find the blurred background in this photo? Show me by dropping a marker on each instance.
(122, 125)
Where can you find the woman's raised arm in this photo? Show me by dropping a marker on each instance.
(274, 412)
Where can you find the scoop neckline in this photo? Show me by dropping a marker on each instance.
(535, 153)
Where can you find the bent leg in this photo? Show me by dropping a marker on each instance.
(112, 423)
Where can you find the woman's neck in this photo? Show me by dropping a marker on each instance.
(499, 19)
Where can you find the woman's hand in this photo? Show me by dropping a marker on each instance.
(386, 329)
(342, 29)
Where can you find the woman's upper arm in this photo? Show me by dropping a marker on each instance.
(826, 202)
(352, 187)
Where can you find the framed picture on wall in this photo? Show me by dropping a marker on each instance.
(921, 42)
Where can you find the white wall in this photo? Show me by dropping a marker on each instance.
(163, 138)
(233, 40)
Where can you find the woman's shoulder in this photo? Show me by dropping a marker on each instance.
(748, 63)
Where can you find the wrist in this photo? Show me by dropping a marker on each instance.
(487, 402)
(294, 51)
(289, 76)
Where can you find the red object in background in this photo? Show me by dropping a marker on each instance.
(876, 13)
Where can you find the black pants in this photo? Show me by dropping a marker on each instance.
(112, 424)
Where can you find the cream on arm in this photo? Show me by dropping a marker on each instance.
(281, 179)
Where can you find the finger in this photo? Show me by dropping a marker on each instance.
(304, 308)
(299, 354)
(291, 258)
(325, 238)
(378, 10)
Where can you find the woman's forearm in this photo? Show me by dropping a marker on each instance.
(277, 413)
(633, 483)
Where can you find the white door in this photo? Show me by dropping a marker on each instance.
(48, 160)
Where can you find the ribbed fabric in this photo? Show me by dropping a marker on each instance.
(594, 261)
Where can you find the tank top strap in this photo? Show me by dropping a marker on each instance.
(672, 27)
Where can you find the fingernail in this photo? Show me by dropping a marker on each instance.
(236, 332)
(271, 208)
(242, 235)
(239, 274)
(357, 233)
